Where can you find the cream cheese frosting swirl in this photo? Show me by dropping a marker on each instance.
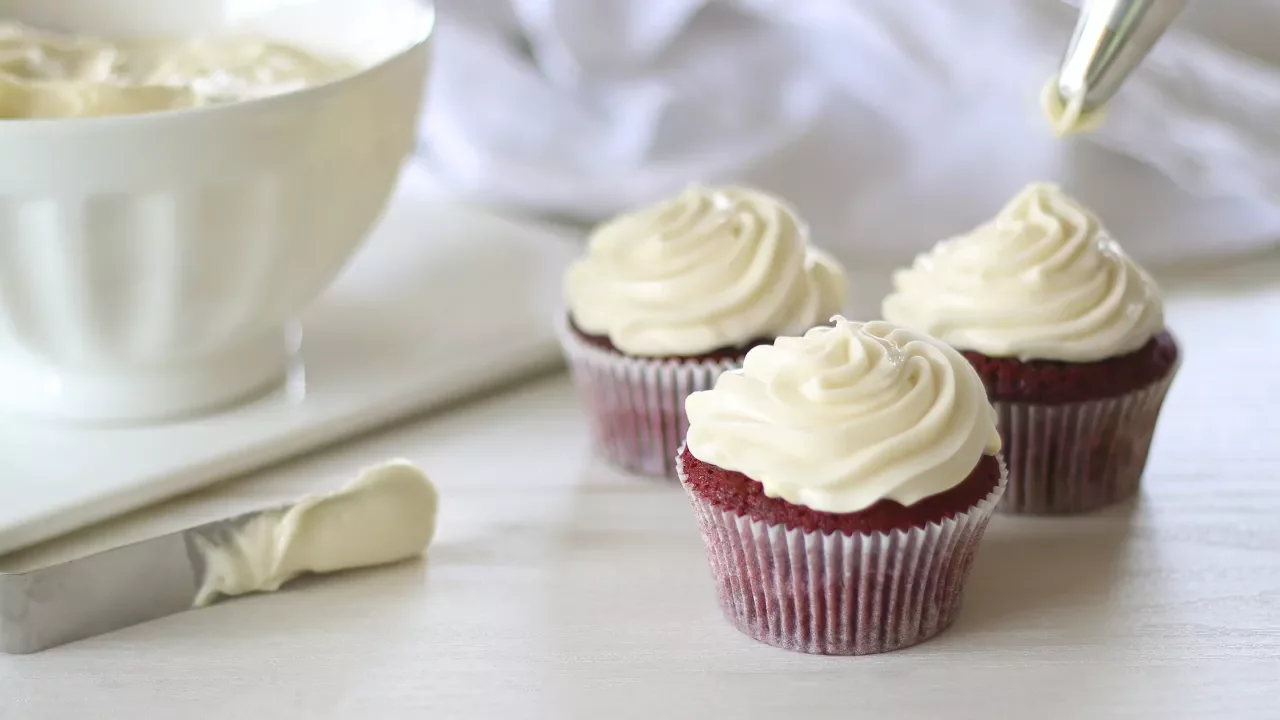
(710, 268)
(846, 416)
(1043, 280)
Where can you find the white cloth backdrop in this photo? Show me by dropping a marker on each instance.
(889, 123)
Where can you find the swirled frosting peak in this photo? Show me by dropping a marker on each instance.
(710, 268)
(1043, 280)
(847, 415)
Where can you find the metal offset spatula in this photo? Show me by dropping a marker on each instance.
(386, 514)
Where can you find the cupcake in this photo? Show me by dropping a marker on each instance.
(670, 296)
(842, 481)
(1067, 333)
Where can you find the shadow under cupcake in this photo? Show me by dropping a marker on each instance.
(1067, 333)
(842, 482)
(670, 296)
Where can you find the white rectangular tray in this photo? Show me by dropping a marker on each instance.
(442, 301)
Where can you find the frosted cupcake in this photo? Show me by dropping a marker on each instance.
(670, 296)
(842, 481)
(1068, 334)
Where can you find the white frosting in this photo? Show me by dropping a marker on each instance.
(847, 416)
(50, 75)
(1043, 280)
(708, 269)
(387, 514)
(1066, 118)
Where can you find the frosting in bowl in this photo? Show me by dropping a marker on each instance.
(1042, 281)
(846, 416)
(54, 75)
(708, 269)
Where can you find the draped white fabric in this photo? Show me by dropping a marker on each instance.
(888, 123)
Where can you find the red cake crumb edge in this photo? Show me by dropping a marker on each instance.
(735, 492)
(1053, 382)
(726, 353)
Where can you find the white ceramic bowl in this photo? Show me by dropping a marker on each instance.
(149, 263)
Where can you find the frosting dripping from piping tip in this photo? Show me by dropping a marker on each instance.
(1066, 116)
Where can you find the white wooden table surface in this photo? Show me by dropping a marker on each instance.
(558, 589)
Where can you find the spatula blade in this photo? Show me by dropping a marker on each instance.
(106, 591)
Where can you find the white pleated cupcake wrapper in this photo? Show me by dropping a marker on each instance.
(839, 594)
(636, 405)
(1078, 457)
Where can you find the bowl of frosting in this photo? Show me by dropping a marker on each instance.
(180, 179)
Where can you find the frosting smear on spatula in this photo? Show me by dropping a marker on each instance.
(386, 514)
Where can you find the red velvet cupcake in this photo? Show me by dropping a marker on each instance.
(1068, 335)
(842, 482)
(670, 296)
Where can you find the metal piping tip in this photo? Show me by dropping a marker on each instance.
(1111, 38)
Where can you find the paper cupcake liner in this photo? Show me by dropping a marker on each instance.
(636, 405)
(839, 594)
(1077, 457)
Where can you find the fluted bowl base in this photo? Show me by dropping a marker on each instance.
(142, 395)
